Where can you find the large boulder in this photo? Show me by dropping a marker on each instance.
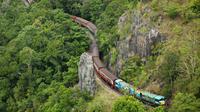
(86, 74)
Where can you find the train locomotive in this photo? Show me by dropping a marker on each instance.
(111, 79)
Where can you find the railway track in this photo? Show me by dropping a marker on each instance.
(98, 79)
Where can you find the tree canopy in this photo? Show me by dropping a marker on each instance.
(128, 104)
(39, 50)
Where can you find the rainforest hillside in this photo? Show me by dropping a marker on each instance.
(39, 52)
(40, 47)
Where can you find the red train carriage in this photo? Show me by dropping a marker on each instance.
(103, 73)
(85, 23)
(108, 77)
(97, 63)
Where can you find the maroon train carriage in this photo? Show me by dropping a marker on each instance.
(88, 24)
(85, 23)
(108, 77)
(80, 21)
(103, 72)
(92, 27)
(97, 63)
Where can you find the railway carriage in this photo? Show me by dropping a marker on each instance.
(85, 23)
(108, 77)
(97, 63)
(103, 73)
(123, 86)
(150, 97)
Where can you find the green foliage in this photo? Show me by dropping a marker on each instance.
(40, 49)
(195, 6)
(177, 30)
(169, 70)
(187, 10)
(132, 70)
(178, 66)
(128, 104)
(184, 102)
(62, 99)
(158, 109)
(96, 107)
(69, 6)
(172, 10)
(114, 54)
(92, 9)
(155, 5)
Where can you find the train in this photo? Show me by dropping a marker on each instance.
(85, 23)
(112, 80)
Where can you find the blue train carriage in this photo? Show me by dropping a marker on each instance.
(150, 97)
(124, 87)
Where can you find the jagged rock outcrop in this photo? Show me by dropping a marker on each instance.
(86, 74)
(137, 36)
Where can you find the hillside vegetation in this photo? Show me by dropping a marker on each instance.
(40, 47)
(39, 52)
(174, 64)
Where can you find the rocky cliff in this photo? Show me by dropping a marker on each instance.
(86, 74)
(137, 36)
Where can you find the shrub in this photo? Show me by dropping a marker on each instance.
(154, 5)
(128, 104)
(96, 107)
(114, 55)
(184, 102)
(190, 10)
(158, 109)
(132, 70)
(195, 6)
(172, 10)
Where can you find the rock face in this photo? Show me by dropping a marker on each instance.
(137, 36)
(86, 74)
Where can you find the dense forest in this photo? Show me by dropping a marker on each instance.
(40, 47)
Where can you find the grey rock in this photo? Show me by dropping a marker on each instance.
(138, 39)
(86, 74)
